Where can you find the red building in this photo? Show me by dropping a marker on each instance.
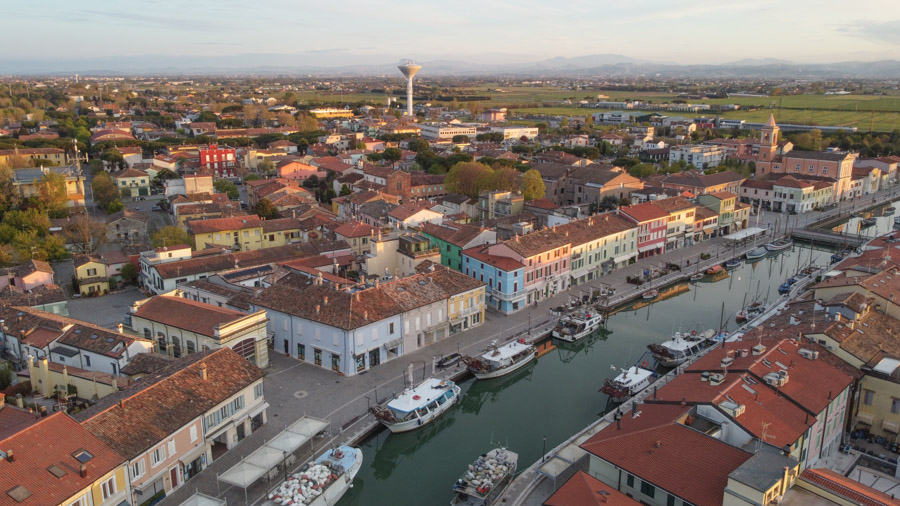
(651, 222)
(220, 161)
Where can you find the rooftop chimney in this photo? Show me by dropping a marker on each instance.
(10, 456)
(325, 301)
(203, 373)
(366, 315)
(121, 328)
(122, 403)
(83, 470)
(318, 308)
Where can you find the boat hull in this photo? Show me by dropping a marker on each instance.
(571, 338)
(778, 247)
(632, 391)
(506, 370)
(409, 425)
(336, 490)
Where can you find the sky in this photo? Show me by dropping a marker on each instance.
(354, 32)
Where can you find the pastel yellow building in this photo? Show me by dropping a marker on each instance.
(240, 233)
(281, 232)
(92, 276)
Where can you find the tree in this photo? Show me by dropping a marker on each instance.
(307, 123)
(418, 145)
(392, 155)
(84, 234)
(9, 195)
(533, 186)
(251, 177)
(506, 179)
(51, 190)
(115, 206)
(226, 186)
(462, 178)
(170, 236)
(266, 167)
(104, 190)
(129, 273)
(460, 139)
(113, 156)
(266, 209)
(345, 190)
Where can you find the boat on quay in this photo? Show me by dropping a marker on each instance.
(485, 480)
(417, 406)
(501, 360)
(578, 324)
(756, 253)
(680, 348)
(322, 482)
(780, 244)
(631, 380)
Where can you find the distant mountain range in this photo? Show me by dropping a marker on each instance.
(595, 65)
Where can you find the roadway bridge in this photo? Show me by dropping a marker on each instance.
(829, 238)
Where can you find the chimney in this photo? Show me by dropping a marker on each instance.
(203, 373)
(83, 470)
(376, 283)
(43, 411)
(121, 328)
(366, 315)
(122, 403)
(10, 456)
(357, 296)
(318, 308)
(325, 301)
(20, 402)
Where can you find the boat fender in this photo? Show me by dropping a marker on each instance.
(419, 421)
(471, 467)
(416, 397)
(644, 364)
(521, 340)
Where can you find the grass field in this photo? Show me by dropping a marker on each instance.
(831, 110)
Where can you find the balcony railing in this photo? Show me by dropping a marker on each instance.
(508, 295)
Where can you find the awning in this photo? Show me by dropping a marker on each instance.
(192, 455)
(221, 430)
(393, 343)
(243, 475)
(866, 418)
(258, 410)
(199, 499)
(624, 258)
(648, 247)
(891, 426)
(744, 234)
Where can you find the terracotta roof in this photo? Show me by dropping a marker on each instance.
(648, 447)
(353, 229)
(280, 225)
(223, 224)
(451, 281)
(129, 173)
(829, 156)
(480, 254)
(761, 184)
(457, 233)
(53, 441)
(135, 419)
(583, 489)
(228, 261)
(842, 486)
(722, 195)
(409, 209)
(644, 212)
(673, 204)
(414, 291)
(13, 419)
(146, 363)
(194, 316)
(697, 180)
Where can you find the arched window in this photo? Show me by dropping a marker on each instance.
(161, 340)
(246, 349)
(176, 347)
(191, 347)
(148, 334)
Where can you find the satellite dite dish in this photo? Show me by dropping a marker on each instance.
(409, 68)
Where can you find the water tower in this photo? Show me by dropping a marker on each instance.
(409, 68)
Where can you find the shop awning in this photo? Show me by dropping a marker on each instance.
(192, 455)
(648, 247)
(624, 258)
(891, 426)
(393, 343)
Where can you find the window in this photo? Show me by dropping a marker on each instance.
(92, 272)
(630, 480)
(172, 447)
(87, 361)
(895, 406)
(193, 433)
(335, 362)
(258, 391)
(391, 328)
(647, 489)
(157, 456)
(301, 351)
(109, 488)
(670, 501)
(868, 396)
(138, 469)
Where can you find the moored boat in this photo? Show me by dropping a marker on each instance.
(734, 263)
(897, 221)
(715, 269)
(417, 406)
(757, 253)
(484, 480)
(889, 211)
(501, 360)
(697, 276)
(630, 381)
(650, 294)
(780, 244)
(868, 222)
(322, 482)
(677, 350)
(574, 326)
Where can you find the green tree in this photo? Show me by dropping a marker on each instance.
(460, 139)
(307, 123)
(226, 186)
(104, 190)
(266, 209)
(129, 273)
(251, 177)
(266, 167)
(112, 156)
(171, 236)
(463, 177)
(392, 155)
(115, 206)
(533, 186)
(51, 190)
(345, 190)
(418, 145)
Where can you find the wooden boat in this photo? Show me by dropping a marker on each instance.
(501, 360)
(631, 380)
(417, 406)
(697, 276)
(757, 253)
(715, 269)
(734, 263)
(574, 326)
(485, 480)
(780, 245)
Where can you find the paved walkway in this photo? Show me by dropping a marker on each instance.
(295, 389)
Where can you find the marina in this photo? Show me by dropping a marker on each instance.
(433, 456)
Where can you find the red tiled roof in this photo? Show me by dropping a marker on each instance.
(855, 492)
(643, 212)
(502, 263)
(53, 441)
(583, 489)
(354, 229)
(221, 224)
(187, 314)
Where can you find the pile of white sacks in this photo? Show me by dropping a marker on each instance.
(303, 487)
(486, 472)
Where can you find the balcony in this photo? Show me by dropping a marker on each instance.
(469, 311)
(508, 295)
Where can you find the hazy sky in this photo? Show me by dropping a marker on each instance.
(356, 31)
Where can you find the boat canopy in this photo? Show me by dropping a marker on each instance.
(505, 352)
(747, 233)
(424, 393)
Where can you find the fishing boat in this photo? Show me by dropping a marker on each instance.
(631, 380)
(484, 480)
(449, 360)
(574, 326)
(868, 222)
(785, 287)
(756, 253)
(734, 263)
(679, 349)
(650, 294)
(715, 269)
(697, 276)
(780, 244)
(500, 360)
(889, 211)
(748, 313)
(322, 482)
(417, 406)
(897, 221)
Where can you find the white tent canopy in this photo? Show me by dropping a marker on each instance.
(747, 233)
(243, 474)
(307, 426)
(199, 499)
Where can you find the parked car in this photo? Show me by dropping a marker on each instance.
(156, 208)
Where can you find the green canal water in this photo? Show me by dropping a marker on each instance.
(537, 408)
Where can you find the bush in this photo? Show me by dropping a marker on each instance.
(5, 378)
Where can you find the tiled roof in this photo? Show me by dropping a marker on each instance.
(666, 454)
(674, 204)
(53, 441)
(353, 229)
(761, 184)
(451, 281)
(129, 173)
(842, 486)
(408, 210)
(644, 212)
(414, 291)
(583, 489)
(41, 294)
(194, 316)
(280, 225)
(817, 155)
(133, 420)
(480, 254)
(222, 224)
(538, 242)
(457, 233)
(697, 180)
(228, 261)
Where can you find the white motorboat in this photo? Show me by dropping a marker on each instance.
(631, 380)
(485, 479)
(417, 406)
(501, 360)
(574, 326)
(322, 482)
(680, 348)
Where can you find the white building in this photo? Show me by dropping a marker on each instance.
(700, 156)
(447, 130)
(515, 132)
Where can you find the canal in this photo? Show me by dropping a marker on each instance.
(537, 408)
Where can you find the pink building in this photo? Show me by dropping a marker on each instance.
(651, 222)
(294, 170)
(27, 276)
(545, 255)
(219, 160)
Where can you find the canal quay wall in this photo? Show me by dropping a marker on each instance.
(532, 487)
